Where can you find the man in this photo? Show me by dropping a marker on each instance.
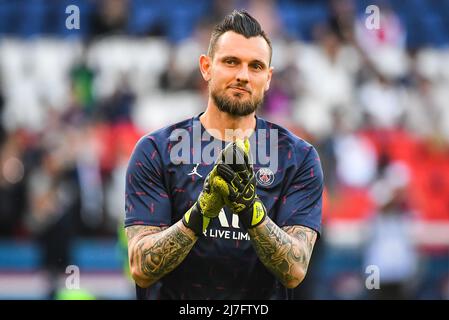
(224, 229)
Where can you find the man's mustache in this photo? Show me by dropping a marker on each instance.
(239, 86)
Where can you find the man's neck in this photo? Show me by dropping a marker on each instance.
(223, 126)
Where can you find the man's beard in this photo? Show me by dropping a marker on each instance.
(234, 107)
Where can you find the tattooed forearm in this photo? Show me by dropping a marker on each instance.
(133, 231)
(306, 236)
(286, 252)
(153, 255)
(165, 253)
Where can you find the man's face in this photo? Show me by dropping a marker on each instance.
(239, 73)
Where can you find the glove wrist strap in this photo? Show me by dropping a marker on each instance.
(254, 216)
(195, 220)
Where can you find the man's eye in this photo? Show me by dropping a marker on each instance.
(257, 66)
(231, 62)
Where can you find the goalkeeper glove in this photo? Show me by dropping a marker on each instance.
(237, 183)
(207, 206)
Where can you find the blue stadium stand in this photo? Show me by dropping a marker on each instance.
(9, 16)
(144, 15)
(427, 21)
(99, 261)
(90, 255)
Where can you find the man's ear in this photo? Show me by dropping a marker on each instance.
(270, 74)
(205, 66)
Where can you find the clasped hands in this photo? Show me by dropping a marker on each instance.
(232, 183)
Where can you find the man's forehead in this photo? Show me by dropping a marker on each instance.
(234, 44)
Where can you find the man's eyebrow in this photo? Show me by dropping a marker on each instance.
(259, 62)
(229, 57)
(252, 61)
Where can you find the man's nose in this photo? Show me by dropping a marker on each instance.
(242, 75)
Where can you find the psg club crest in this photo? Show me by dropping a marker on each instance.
(265, 177)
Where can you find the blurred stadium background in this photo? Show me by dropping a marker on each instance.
(374, 102)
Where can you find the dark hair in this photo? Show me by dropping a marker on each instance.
(240, 22)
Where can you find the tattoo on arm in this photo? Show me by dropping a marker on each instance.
(132, 231)
(156, 253)
(306, 239)
(282, 250)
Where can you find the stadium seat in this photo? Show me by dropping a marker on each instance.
(143, 60)
(156, 109)
(290, 17)
(53, 61)
(144, 15)
(183, 17)
(9, 17)
(33, 17)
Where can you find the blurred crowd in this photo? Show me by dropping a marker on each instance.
(373, 102)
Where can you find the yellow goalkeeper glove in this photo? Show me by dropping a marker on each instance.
(237, 183)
